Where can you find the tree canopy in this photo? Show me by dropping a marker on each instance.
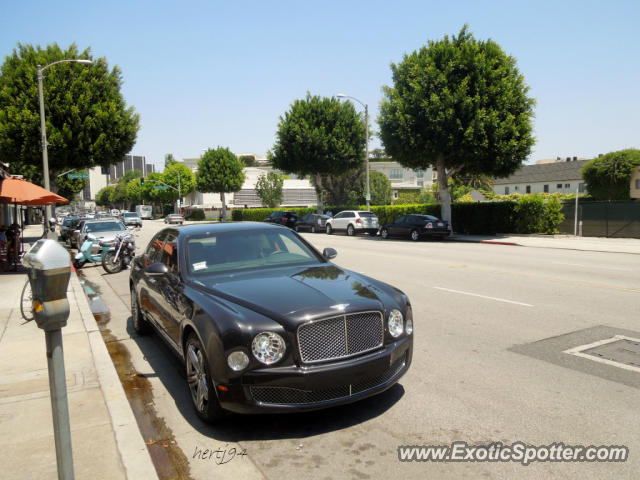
(269, 189)
(458, 105)
(70, 187)
(220, 171)
(608, 177)
(319, 136)
(87, 120)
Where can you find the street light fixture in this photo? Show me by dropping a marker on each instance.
(43, 130)
(366, 155)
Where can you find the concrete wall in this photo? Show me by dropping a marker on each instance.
(566, 186)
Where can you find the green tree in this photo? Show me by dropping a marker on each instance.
(248, 160)
(103, 195)
(70, 187)
(459, 105)
(88, 122)
(380, 188)
(345, 189)
(169, 159)
(220, 171)
(135, 191)
(609, 176)
(319, 136)
(130, 175)
(181, 178)
(269, 189)
(118, 196)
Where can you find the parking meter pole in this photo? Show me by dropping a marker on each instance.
(59, 404)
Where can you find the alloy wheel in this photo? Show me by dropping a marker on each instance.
(197, 378)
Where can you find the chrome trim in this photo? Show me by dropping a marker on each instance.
(344, 317)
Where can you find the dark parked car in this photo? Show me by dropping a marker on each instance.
(68, 226)
(416, 227)
(288, 219)
(312, 222)
(265, 323)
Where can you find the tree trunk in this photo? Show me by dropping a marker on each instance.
(318, 185)
(443, 187)
(224, 208)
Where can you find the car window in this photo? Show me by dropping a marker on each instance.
(105, 227)
(153, 249)
(231, 251)
(307, 217)
(401, 220)
(349, 214)
(169, 252)
(430, 218)
(367, 214)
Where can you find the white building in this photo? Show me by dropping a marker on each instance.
(403, 178)
(557, 177)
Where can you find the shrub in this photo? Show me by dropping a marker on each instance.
(553, 216)
(196, 214)
(487, 218)
(529, 214)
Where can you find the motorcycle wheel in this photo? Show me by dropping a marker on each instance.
(109, 265)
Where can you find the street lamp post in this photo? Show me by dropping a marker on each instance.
(366, 155)
(43, 131)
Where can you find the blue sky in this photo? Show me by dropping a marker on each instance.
(203, 74)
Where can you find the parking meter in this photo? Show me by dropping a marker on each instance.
(49, 267)
(49, 271)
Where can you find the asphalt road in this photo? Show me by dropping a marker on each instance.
(491, 324)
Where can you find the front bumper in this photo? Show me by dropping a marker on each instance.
(294, 389)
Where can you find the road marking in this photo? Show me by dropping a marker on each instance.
(577, 351)
(484, 296)
(593, 266)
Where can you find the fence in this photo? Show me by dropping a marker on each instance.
(603, 219)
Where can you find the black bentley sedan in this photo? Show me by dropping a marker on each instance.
(416, 227)
(266, 323)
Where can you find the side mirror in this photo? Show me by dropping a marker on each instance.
(156, 269)
(329, 253)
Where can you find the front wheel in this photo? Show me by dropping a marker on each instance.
(415, 236)
(140, 325)
(203, 393)
(109, 264)
(26, 302)
(329, 229)
(384, 233)
(351, 231)
(313, 229)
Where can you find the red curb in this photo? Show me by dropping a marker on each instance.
(499, 243)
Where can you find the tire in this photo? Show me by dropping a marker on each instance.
(414, 235)
(351, 231)
(329, 230)
(296, 228)
(384, 233)
(77, 264)
(313, 229)
(26, 302)
(109, 265)
(140, 325)
(201, 388)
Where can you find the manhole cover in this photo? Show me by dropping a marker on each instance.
(619, 351)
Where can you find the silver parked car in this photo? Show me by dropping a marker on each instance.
(353, 222)
(131, 219)
(104, 230)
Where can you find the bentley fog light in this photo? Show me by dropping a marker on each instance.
(268, 347)
(237, 361)
(395, 323)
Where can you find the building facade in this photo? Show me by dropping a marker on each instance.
(402, 178)
(100, 177)
(550, 177)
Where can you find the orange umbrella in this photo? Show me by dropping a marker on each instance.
(19, 190)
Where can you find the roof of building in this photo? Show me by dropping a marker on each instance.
(545, 172)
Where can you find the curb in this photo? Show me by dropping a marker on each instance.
(489, 242)
(131, 446)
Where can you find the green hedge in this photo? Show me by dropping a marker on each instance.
(196, 214)
(526, 215)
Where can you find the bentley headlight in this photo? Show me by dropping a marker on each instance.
(268, 347)
(395, 323)
(237, 361)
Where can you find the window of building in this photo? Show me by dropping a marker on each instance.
(567, 185)
(420, 183)
(528, 188)
(396, 174)
(559, 186)
(638, 184)
(581, 187)
(515, 188)
(420, 173)
(506, 190)
(395, 194)
(546, 188)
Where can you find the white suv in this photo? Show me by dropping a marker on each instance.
(353, 222)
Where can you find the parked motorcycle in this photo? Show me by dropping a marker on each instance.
(120, 254)
(85, 253)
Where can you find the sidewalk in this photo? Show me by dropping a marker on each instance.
(569, 242)
(105, 438)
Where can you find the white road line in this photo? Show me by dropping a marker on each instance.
(593, 266)
(484, 296)
(578, 352)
